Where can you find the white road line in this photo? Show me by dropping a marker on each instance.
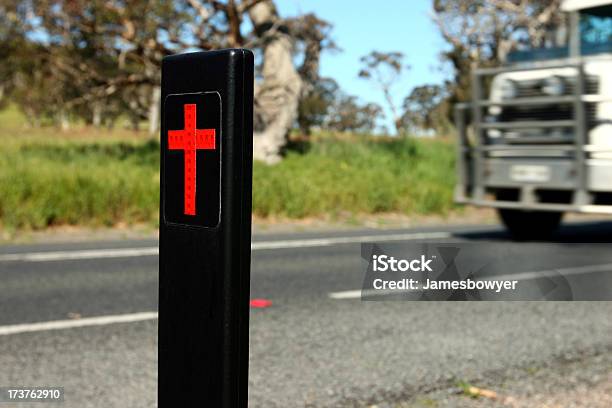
(255, 246)
(71, 324)
(320, 242)
(82, 254)
(356, 294)
(521, 276)
(347, 294)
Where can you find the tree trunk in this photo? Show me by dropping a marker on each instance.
(154, 111)
(96, 115)
(63, 121)
(135, 123)
(32, 117)
(277, 95)
(134, 117)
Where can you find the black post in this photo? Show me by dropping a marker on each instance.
(205, 228)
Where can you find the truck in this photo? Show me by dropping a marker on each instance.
(535, 140)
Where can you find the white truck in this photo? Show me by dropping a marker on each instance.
(540, 143)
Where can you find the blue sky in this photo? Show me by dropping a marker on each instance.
(361, 26)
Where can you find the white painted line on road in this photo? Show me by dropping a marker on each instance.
(347, 294)
(75, 323)
(255, 246)
(356, 294)
(320, 242)
(82, 254)
(521, 276)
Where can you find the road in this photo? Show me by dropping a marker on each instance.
(312, 347)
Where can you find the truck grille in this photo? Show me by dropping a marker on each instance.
(555, 112)
(534, 89)
(536, 113)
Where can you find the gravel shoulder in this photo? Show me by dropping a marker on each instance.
(465, 216)
(261, 226)
(579, 382)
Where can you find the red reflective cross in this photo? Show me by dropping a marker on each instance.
(190, 140)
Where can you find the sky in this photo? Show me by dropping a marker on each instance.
(361, 26)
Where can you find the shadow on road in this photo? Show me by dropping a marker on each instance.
(574, 232)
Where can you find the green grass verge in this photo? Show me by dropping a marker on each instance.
(78, 183)
(100, 181)
(365, 176)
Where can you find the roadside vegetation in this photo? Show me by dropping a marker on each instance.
(98, 178)
(104, 174)
(53, 181)
(359, 175)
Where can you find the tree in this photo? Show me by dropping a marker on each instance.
(14, 48)
(278, 94)
(313, 35)
(425, 108)
(348, 115)
(384, 69)
(283, 85)
(114, 48)
(103, 54)
(315, 107)
(481, 33)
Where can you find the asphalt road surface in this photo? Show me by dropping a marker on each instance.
(82, 316)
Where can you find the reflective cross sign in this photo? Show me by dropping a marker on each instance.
(190, 140)
(192, 159)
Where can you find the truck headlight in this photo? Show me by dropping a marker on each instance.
(553, 86)
(494, 133)
(507, 89)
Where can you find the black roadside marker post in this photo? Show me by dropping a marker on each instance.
(205, 228)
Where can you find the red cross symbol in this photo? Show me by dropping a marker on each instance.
(190, 140)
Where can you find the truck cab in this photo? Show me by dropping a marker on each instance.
(535, 141)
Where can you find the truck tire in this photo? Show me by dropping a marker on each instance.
(530, 225)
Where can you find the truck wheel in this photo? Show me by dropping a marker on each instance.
(527, 225)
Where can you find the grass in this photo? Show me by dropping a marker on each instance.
(374, 175)
(67, 182)
(97, 178)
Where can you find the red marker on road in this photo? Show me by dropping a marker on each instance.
(260, 303)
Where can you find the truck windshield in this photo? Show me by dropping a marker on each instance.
(595, 38)
(596, 30)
